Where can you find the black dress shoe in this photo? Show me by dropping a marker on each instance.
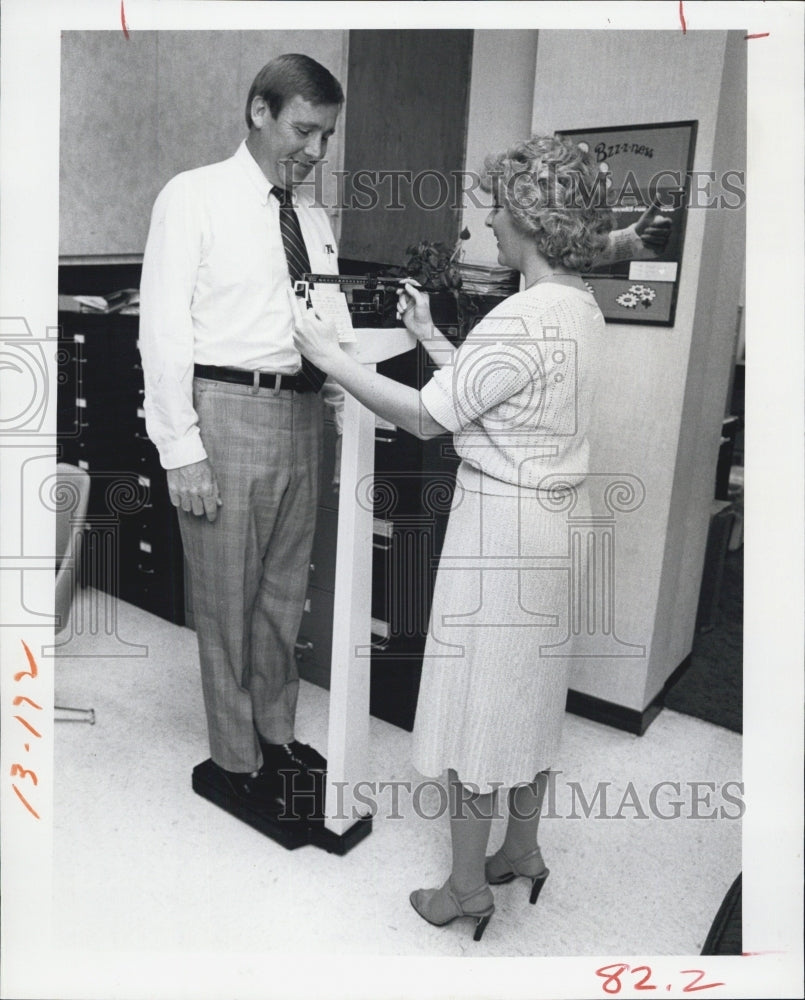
(293, 756)
(261, 790)
(300, 771)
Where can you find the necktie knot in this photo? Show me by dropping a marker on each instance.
(283, 195)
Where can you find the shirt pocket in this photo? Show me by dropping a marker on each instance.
(321, 249)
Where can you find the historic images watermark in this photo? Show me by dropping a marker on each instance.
(564, 799)
(394, 190)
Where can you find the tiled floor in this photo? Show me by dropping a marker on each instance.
(143, 865)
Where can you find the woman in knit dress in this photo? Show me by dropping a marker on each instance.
(517, 397)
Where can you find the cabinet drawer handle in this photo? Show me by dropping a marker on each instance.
(142, 569)
(381, 628)
(303, 647)
(385, 440)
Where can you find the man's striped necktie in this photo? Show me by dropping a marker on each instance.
(298, 264)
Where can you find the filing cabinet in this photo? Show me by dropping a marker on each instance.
(413, 488)
(134, 548)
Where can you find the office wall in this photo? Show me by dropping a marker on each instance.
(136, 110)
(501, 99)
(663, 393)
(407, 112)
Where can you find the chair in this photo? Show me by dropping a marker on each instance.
(72, 498)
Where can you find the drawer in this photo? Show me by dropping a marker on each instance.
(162, 596)
(146, 553)
(322, 566)
(404, 564)
(314, 644)
(328, 497)
(394, 689)
(115, 494)
(109, 378)
(69, 366)
(404, 487)
(70, 425)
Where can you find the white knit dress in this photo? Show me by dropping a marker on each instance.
(518, 399)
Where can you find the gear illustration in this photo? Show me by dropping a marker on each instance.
(628, 300)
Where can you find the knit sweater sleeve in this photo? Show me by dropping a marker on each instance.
(498, 360)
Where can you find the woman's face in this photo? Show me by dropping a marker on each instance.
(510, 239)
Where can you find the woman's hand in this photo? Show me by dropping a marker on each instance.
(314, 337)
(413, 308)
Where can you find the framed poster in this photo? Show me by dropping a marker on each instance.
(642, 165)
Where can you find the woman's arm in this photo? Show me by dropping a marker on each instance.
(439, 348)
(645, 239)
(400, 404)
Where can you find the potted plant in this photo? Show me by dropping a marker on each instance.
(435, 267)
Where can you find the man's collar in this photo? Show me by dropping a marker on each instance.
(261, 183)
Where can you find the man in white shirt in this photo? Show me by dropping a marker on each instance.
(236, 414)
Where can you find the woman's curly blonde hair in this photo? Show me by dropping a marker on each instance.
(555, 193)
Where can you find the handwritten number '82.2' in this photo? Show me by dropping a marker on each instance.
(611, 974)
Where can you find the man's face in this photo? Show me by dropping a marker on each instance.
(289, 146)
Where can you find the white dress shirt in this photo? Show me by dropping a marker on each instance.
(214, 291)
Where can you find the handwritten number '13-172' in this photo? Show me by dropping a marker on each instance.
(17, 770)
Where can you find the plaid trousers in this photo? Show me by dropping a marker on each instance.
(249, 567)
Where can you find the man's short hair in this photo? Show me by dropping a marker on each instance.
(289, 75)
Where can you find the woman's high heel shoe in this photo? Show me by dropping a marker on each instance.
(516, 868)
(443, 906)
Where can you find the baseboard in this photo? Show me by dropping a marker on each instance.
(631, 720)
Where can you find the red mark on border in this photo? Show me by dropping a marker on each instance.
(21, 698)
(31, 663)
(681, 17)
(28, 726)
(25, 802)
(123, 20)
(764, 34)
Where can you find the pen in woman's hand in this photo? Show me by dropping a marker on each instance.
(413, 308)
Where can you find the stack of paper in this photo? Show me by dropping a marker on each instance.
(331, 303)
(127, 300)
(488, 279)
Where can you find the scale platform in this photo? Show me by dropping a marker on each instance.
(290, 831)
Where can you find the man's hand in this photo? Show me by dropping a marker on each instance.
(653, 229)
(194, 488)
